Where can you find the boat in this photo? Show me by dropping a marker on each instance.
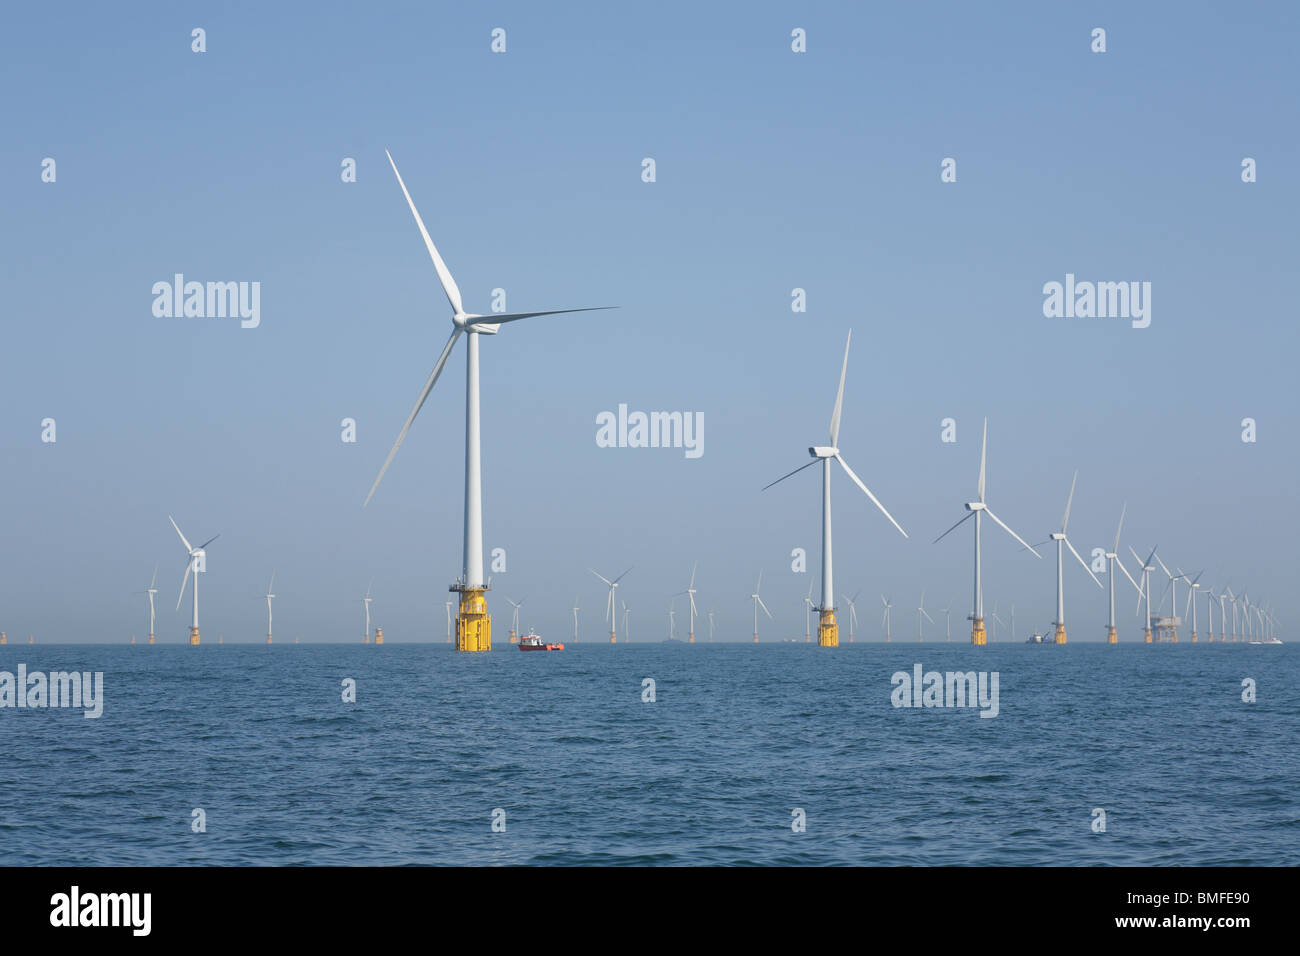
(1271, 640)
(534, 642)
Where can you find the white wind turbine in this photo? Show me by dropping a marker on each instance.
(269, 588)
(710, 627)
(611, 606)
(514, 625)
(827, 629)
(978, 509)
(920, 610)
(853, 611)
(1223, 613)
(474, 627)
(1192, 587)
(758, 602)
(690, 592)
(195, 562)
(887, 618)
(1145, 590)
(1013, 623)
(996, 621)
(807, 615)
(947, 613)
(1062, 542)
(1232, 599)
(576, 609)
(1113, 562)
(448, 603)
(151, 590)
(627, 634)
(1173, 583)
(672, 620)
(367, 600)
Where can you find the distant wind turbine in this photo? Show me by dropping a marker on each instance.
(611, 607)
(196, 563)
(758, 602)
(920, 610)
(887, 618)
(269, 588)
(1112, 562)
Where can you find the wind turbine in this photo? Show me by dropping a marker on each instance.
(828, 633)
(1013, 623)
(1062, 542)
(978, 509)
(474, 624)
(151, 590)
(1192, 587)
(1173, 583)
(807, 617)
(627, 634)
(672, 620)
(196, 562)
(576, 609)
(448, 604)
(1113, 562)
(996, 621)
(269, 588)
(710, 627)
(947, 613)
(514, 626)
(853, 611)
(887, 617)
(1145, 590)
(1232, 599)
(758, 602)
(365, 637)
(920, 610)
(611, 608)
(690, 592)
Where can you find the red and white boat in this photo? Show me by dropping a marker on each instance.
(533, 642)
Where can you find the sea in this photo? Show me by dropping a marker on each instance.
(656, 754)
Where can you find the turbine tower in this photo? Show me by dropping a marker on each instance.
(690, 592)
(627, 634)
(1192, 588)
(151, 590)
(853, 611)
(758, 602)
(1173, 583)
(828, 633)
(887, 617)
(920, 611)
(807, 616)
(1209, 610)
(576, 609)
(448, 604)
(474, 624)
(1062, 542)
(710, 627)
(1113, 562)
(269, 588)
(365, 635)
(947, 613)
(195, 561)
(979, 509)
(1145, 590)
(611, 607)
(672, 620)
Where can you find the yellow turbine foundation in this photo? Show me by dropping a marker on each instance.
(613, 637)
(690, 639)
(3, 638)
(150, 639)
(828, 632)
(1193, 637)
(379, 635)
(473, 623)
(1210, 639)
(514, 638)
(1147, 635)
(194, 636)
(977, 633)
(755, 638)
(1111, 636)
(1060, 634)
(268, 638)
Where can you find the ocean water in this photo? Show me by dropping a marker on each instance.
(738, 737)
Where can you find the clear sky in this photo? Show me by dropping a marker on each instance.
(775, 170)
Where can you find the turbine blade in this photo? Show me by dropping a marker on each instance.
(764, 607)
(984, 447)
(1069, 501)
(178, 531)
(927, 615)
(497, 319)
(1010, 532)
(1085, 564)
(839, 395)
(1120, 564)
(189, 564)
(428, 387)
(621, 576)
(1164, 569)
(602, 577)
(787, 475)
(154, 582)
(444, 274)
(1122, 512)
(209, 541)
(968, 515)
(867, 491)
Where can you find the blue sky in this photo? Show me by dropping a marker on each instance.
(774, 171)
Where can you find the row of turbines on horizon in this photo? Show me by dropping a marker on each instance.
(473, 624)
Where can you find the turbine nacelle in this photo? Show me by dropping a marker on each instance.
(1056, 536)
(976, 506)
(823, 451)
